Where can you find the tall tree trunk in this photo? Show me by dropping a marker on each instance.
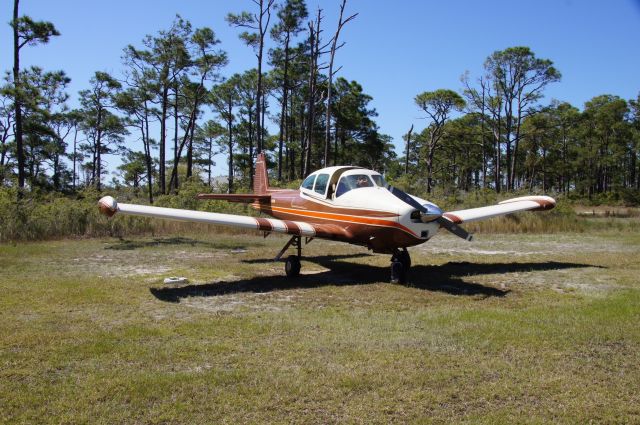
(75, 157)
(262, 117)
(209, 158)
(18, 99)
(147, 152)
(98, 177)
(56, 171)
(335, 147)
(429, 172)
(408, 151)
(516, 141)
(163, 139)
(303, 140)
(261, 32)
(185, 139)
(230, 146)
(334, 47)
(314, 41)
(250, 151)
(544, 170)
(190, 151)
(176, 155)
(283, 110)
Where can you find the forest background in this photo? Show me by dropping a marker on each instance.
(173, 111)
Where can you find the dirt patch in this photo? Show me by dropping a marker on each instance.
(247, 302)
(523, 245)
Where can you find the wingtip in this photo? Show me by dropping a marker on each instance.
(545, 202)
(108, 206)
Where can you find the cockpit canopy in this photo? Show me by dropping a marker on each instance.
(333, 182)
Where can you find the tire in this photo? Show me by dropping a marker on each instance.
(398, 272)
(405, 259)
(292, 266)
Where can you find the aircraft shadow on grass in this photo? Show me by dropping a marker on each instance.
(445, 278)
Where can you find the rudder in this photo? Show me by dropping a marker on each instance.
(261, 177)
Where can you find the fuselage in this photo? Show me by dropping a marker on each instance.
(353, 205)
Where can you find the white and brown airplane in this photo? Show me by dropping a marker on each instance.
(342, 203)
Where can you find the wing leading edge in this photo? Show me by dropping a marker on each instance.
(524, 203)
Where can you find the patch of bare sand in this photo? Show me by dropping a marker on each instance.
(247, 302)
(521, 245)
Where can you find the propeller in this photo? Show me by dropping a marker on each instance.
(430, 214)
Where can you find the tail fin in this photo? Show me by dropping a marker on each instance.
(261, 178)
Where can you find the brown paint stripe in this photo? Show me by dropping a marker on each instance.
(320, 207)
(106, 209)
(544, 205)
(452, 217)
(292, 228)
(344, 218)
(263, 224)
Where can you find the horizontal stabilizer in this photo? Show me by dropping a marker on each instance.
(247, 198)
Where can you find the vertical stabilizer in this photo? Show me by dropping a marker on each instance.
(261, 178)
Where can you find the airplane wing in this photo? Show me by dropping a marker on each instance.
(524, 203)
(109, 207)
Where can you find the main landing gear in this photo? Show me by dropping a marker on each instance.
(292, 263)
(400, 265)
(400, 260)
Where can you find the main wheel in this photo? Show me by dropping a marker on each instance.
(404, 258)
(398, 272)
(292, 266)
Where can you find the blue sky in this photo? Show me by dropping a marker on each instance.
(394, 49)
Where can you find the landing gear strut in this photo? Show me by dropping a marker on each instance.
(400, 264)
(292, 263)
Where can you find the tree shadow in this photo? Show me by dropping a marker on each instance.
(128, 244)
(446, 278)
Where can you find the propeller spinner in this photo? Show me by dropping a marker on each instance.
(430, 213)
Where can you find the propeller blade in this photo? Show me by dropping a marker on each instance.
(429, 215)
(403, 196)
(455, 229)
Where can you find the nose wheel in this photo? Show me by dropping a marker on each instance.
(400, 265)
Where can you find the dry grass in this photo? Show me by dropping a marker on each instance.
(511, 328)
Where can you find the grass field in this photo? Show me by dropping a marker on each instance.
(510, 328)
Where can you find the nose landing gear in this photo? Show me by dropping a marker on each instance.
(400, 265)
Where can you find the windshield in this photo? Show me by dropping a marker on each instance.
(355, 181)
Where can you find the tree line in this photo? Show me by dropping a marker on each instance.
(505, 139)
(177, 109)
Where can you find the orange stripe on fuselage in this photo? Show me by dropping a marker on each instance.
(343, 218)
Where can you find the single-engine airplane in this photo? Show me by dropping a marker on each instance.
(342, 203)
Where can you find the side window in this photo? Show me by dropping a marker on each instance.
(321, 183)
(379, 180)
(308, 182)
